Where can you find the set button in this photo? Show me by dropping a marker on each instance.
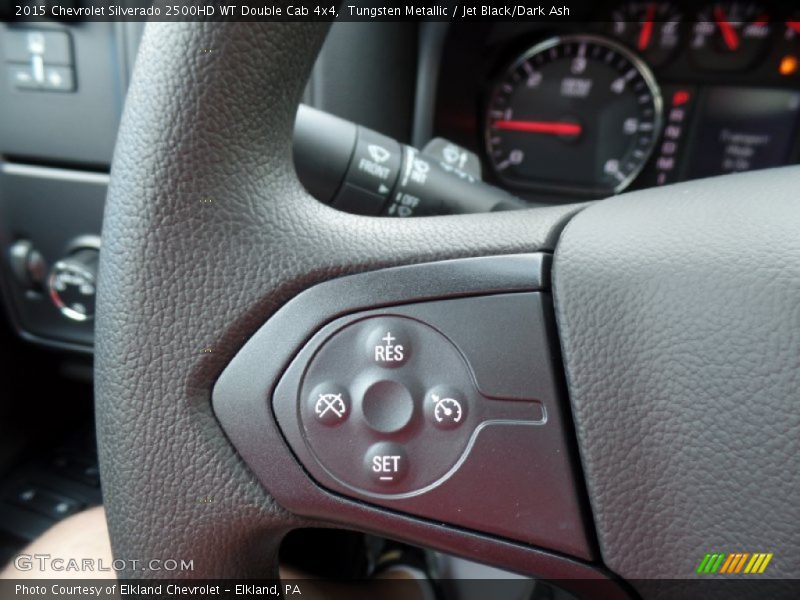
(386, 463)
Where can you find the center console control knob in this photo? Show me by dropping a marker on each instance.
(27, 265)
(72, 284)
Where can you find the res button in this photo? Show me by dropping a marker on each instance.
(388, 344)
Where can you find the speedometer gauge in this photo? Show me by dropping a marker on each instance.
(577, 114)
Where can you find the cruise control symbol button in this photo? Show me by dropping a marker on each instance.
(445, 407)
(446, 410)
(332, 403)
(329, 404)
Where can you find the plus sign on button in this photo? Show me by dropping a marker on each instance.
(388, 344)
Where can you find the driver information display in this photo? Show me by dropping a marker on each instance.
(742, 129)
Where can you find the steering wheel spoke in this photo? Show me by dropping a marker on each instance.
(676, 311)
(207, 233)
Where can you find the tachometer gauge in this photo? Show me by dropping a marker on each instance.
(577, 114)
(653, 29)
(730, 36)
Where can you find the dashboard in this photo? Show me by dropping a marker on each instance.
(626, 95)
(620, 96)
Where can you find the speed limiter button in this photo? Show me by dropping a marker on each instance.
(386, 463)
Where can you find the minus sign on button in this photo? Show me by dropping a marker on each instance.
(386, 478)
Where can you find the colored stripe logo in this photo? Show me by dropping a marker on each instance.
(734, 563)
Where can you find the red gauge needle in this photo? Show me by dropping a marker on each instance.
(728, 32)
(547, 127)
(647, 27)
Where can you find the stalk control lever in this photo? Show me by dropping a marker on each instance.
(360, 171)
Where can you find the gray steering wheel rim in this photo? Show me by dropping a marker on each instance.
(207, 232)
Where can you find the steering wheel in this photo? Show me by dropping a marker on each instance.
(677, 313)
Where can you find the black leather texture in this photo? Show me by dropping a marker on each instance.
(679, 314)
(207, 232)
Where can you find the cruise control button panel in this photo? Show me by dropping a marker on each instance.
(448, 409)
(410, 386)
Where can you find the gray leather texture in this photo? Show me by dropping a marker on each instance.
(679, 314)
(207, 232)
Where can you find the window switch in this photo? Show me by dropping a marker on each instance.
(58, 79)
(78, 470)
(20, 45)
(48, 79)
(21, 77)
(45, 502)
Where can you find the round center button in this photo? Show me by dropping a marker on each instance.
(387, 406)
(386, 463)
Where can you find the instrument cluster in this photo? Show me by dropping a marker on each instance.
(641, 93)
